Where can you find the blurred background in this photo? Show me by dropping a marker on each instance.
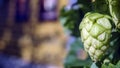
(42, 33)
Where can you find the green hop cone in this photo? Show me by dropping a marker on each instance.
(95, 34)
(114, 7)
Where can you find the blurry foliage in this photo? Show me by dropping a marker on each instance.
(73, 14)
(72, 59)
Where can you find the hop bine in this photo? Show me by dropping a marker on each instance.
(95, 31)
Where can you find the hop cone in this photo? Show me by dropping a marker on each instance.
(95, 34)
(114, 7)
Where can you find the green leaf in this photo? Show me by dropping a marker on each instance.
(101, 6)
(118, 65)
(111, 66)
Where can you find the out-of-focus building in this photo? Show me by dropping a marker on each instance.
(30, 29)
